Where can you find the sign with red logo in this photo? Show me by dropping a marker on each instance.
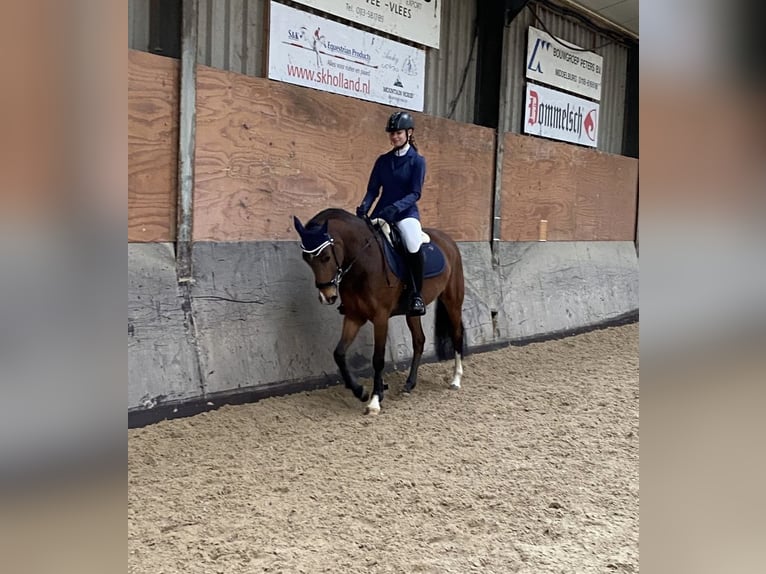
(560, 116)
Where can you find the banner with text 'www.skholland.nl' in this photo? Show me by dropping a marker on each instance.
(308, 50)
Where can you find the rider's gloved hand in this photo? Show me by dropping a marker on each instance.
(388, 213)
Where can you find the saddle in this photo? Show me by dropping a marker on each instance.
(393, 236)
(434, 262)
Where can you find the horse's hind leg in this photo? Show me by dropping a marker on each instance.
(350, 329)
(457, 341)
(453, 304)
(418, 341)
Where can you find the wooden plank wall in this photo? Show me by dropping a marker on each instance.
(152, 146)
(584, 194)
(267, 150)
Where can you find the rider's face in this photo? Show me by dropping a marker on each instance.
(398, 138)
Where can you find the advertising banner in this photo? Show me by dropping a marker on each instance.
(549, 62)
(416, 20)
(560, 116)
(311, 51)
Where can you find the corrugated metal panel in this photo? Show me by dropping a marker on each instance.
(138, 25)
(232, 35)
(612, 109)
(612, 105)
(512, 92)
(445, 67)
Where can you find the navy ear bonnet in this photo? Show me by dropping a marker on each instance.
(314, 238)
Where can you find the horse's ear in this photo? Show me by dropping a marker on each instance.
(298, 225)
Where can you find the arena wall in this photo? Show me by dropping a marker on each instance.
(251, 325)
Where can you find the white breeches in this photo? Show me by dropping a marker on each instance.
(412, 233)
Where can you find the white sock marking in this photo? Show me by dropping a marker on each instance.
(374, 404)
(458, 372)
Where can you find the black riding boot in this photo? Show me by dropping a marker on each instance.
(415, 263)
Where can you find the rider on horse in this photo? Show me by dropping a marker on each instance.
(400, 173)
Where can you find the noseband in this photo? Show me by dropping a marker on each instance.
(339, 272)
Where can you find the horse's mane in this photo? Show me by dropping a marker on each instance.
(331, 213)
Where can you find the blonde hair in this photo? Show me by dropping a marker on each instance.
(411, 139)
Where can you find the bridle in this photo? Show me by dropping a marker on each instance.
(340, 271)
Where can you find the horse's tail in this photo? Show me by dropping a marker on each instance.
(443, 333)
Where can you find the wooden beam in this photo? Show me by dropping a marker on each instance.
(186, 138)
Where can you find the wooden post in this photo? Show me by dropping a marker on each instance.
(499, 151)
(186, 139)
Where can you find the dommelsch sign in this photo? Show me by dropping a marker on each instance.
(560, 116)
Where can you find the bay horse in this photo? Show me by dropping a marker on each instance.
(346, 254)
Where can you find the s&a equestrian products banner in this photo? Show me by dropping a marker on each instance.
(310, 51)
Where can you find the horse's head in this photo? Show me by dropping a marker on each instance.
(324, 255)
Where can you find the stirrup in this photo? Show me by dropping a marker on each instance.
(417, 307)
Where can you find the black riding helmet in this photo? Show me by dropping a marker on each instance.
(400, 121)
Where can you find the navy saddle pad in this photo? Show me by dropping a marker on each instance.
(434, 262)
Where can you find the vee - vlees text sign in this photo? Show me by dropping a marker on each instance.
(311, 51)
(550, 62)
(416, 20)
(560, 116)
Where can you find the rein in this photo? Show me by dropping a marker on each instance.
(379, 240)
(341, 271)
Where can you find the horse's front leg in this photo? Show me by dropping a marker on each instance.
(378, 361)
(350, 329)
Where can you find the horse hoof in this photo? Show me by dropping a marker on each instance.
(372, 412)
(454, 386)
(365, 397)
